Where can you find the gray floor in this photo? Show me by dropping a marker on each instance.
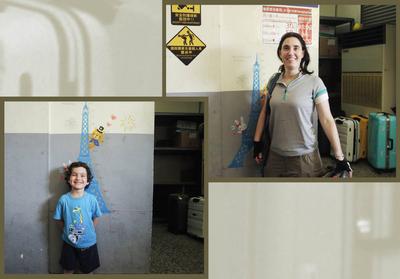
(175, 253)
(361, 168)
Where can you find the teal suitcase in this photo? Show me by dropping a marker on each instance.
(381, 152)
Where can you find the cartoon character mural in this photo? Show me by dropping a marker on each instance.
(96, 138)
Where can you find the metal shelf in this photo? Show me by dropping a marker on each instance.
(329, 57)
(334, 21)
(178, 183)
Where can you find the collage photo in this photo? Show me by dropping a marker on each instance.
(226, 140)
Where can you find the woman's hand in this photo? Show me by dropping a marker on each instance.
(343, 165)
(257, 152)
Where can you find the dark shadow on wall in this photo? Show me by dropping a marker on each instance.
(104, 11)
(64, 84)
(57, 187)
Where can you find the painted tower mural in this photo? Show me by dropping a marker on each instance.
(84, 156)
(247, 134)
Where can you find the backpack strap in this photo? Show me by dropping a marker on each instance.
(272, 83)
(271, 86)
(267, 139)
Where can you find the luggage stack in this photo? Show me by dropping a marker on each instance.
(372, 138)
(195, 217)
(363, 124)
(382, 140)
(349, 135)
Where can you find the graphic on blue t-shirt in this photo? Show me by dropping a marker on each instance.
(76, 230)
(78, 215)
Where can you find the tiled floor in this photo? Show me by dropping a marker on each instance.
(175, 253)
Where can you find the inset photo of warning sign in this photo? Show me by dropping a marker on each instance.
(185, 15)
(186, 45)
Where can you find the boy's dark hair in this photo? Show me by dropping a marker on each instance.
(68, 172)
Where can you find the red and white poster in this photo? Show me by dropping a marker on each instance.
(277, 20)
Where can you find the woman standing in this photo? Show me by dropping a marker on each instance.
(298, 100)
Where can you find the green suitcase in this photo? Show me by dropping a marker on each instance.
(382, 140)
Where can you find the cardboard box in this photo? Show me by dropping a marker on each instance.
(328, 47)
(187, 139)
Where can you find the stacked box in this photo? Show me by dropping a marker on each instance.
(186, 134)
(328, 47)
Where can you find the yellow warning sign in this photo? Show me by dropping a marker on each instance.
(186, 14)
(186, 45)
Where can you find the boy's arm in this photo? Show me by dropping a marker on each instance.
(96, 213)
(58, 214)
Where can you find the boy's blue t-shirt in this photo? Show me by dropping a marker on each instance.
(78, 215)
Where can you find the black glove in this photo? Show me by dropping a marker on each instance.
(258, 147)
(342, 165)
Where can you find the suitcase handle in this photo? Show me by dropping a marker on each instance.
(390, 145)
(338, 121)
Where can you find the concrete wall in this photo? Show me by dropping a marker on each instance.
(75, 48)
(223, 144)
(122, 164)
(26, 237)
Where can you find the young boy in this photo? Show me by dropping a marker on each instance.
(77, 212)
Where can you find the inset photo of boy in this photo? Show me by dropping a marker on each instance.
(87, 189)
